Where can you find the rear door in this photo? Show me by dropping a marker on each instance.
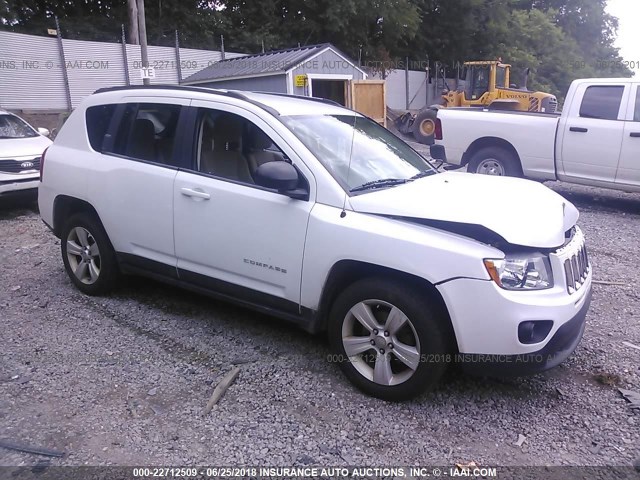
(592, 132)
(629, 165)
(132, 184)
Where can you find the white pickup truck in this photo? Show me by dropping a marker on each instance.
(595, 141)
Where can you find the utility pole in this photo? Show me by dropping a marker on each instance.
(143, 39)
(132, 10)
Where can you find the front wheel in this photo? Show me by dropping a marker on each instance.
(495, 161)
(424, 126)
(388, 339)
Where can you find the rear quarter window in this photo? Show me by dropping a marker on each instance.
(602, 102)
(98, 120)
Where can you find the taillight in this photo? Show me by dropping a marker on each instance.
(42, 162)
(438, 132)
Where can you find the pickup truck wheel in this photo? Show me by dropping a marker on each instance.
(88, 256)
(495, 161)
(387, 339)
(424, 126)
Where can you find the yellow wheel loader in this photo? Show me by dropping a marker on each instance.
(487, 85)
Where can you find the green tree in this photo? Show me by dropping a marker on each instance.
(559, 39)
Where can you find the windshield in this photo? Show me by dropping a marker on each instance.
(359, 153)
(13, 127)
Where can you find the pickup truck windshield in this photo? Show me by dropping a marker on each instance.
(360, 154)
(13, 127)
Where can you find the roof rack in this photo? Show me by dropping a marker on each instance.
(313, 99)
(224, 93)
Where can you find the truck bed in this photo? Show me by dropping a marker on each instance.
(532, 135)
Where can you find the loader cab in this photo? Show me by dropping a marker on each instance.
(484, 77)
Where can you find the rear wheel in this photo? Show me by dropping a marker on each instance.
(387, 339)
(88, 256)
(495, 161)
(424, 126)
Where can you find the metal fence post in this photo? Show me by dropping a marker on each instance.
(63, 65)
(178, 66)
(125, 59)
(406, 82)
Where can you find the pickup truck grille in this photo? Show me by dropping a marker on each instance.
(576, 270)
(19, 166)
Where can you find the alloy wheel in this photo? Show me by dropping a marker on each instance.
(381, 342)
(83, 255)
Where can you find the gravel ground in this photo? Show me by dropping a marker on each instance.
(122, 380)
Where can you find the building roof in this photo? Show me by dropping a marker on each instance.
(263, 64)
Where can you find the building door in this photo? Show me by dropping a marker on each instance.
(330, 89)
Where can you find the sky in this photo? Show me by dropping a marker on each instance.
(628, 13)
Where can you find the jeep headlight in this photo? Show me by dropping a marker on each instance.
(520, 272)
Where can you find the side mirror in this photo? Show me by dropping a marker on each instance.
(44, 132)
(281, 176)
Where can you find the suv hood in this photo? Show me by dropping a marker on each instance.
(522, 212)
(23, 147)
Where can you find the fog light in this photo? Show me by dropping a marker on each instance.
(534, 331)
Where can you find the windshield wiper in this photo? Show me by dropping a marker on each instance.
(424, 173)
(385, 182)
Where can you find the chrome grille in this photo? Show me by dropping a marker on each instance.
(576, 270)
(17, 166)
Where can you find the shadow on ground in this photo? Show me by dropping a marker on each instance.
(16, 204)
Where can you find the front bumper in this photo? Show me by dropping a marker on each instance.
(11, 186)
(486, 318)
(557, 350)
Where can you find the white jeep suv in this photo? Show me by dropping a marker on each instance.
(307, 211)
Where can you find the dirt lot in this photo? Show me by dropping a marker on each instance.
(123, 379)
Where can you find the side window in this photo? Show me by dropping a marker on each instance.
(98, 119)
(501, 77)
(602, 102)
(147, 132)
(636, 115)
(232, 147)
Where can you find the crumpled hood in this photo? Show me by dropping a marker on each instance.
(21, 147)
(522, 212)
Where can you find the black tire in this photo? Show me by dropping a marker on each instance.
(103, 263)
(424, 126)
(497, 160)
(432, 344)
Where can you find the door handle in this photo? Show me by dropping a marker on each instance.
(635, 134)
(195, 193)
(578, 129)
